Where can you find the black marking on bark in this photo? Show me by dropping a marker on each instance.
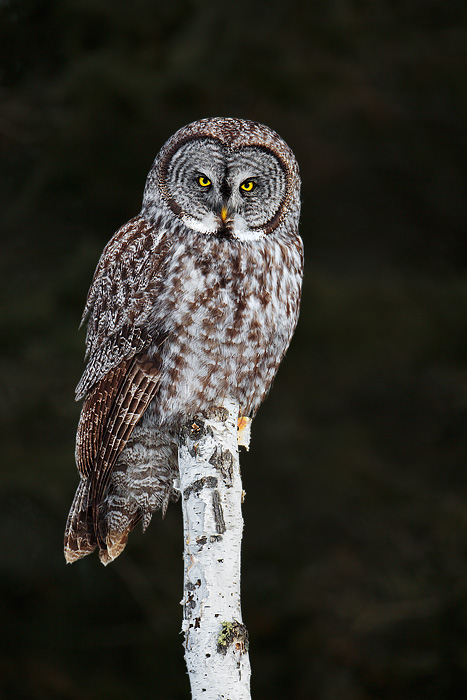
(217, 413)
(193, 430)
(190, 602)
(188, 607)
(192, 586)
(199, 485)
(218, 512)
(223, 461)
(196, 429)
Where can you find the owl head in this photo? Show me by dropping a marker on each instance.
(225, 177)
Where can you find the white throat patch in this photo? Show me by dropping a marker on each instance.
(211, 223)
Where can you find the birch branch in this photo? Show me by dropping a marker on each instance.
(216, 640)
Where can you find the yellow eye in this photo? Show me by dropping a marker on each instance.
(204, 181)
(247, 186)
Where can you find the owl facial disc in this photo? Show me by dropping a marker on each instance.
(237, 193)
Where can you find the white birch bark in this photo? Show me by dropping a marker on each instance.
(216, 640)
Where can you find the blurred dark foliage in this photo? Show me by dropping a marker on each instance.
(355, 553)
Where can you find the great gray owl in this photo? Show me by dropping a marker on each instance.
(194, 300)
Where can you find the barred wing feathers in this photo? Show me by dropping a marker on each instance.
(120, 300)
(119, 381)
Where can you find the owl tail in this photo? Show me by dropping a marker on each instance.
(123, 514)
(115, 543)
(80, 538)
(116, 517)
(80, 531)
(142, 482)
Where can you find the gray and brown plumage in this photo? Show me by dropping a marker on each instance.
(194, 300)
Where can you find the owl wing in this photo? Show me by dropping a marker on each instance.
(121, 298)
(120, 379)
(110, 412)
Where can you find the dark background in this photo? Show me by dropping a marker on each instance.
(355, 554)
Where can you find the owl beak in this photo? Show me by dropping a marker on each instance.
(224, 214)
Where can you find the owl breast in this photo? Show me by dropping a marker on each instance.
(230, 309)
